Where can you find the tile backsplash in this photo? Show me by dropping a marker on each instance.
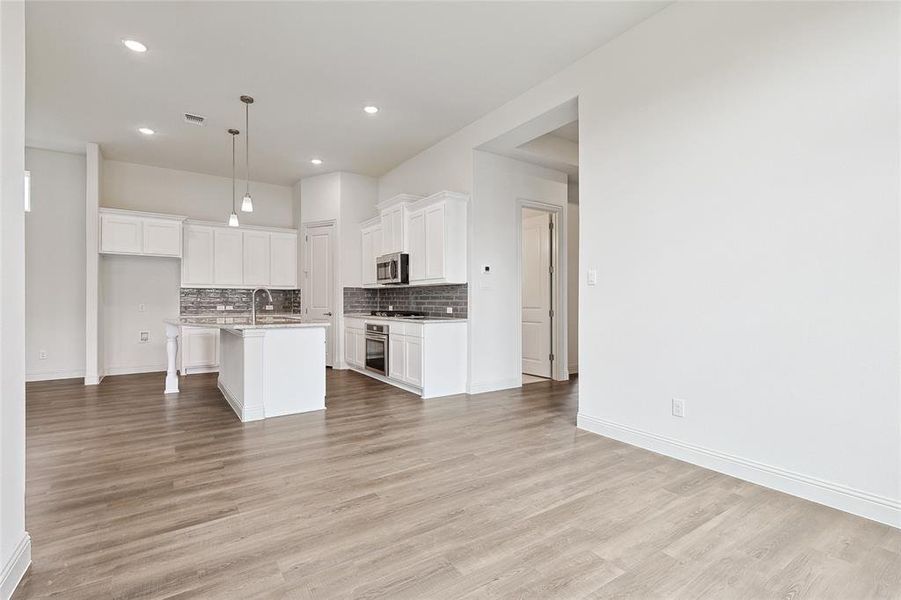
(430, 299)
(202, 301)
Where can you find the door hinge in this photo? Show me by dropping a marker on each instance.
(550, 225)
(551, 269)
(550, 357)
(550, 312)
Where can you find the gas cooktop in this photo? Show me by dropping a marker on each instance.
(407, 314)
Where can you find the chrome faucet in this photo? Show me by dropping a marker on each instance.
(253, 303)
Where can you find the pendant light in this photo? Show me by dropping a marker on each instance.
(247, 202)
(233, 218)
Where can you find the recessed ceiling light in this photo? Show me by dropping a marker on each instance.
(370, 109)
(146, 130)
(135, 46)
(316, 161)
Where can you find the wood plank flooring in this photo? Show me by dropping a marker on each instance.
(133, 494)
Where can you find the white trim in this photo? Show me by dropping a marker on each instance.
(244, 414)
(481, 387)
(95, 380)
(15, 567)
(56, 374)
(136, 369)
(139, 213)
(573, 368)
(857, 502)
(394, 382)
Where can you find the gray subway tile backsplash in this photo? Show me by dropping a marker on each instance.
(201, 301)
(430, 299)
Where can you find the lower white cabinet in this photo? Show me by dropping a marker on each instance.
(199, 350)
(427, 357)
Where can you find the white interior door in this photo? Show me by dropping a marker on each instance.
(318, 294)
(536, 293)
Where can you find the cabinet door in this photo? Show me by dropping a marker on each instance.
(367, 258)
(228, 257)
(120, 234)
(434, 240)
(398, 227)
(283, 259)
(397, 361)
(162, 237)
(413, 354)
(350, 347)
(197, 262)
(416, 236)
(256, 258)
(360, 354)
(200, 347)
(387, 235)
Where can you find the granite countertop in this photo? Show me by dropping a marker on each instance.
(406, 319)
(242, 321)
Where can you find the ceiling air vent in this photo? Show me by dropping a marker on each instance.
(194, 119)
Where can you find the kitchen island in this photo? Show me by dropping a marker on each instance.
(269, 367)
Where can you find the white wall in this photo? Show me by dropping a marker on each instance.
(359, 195)
(572, 267)
(742, 199)
(93, 318)
(128, 282)
(495, 353)
(195, 195)
(15, 544)
(54, 265)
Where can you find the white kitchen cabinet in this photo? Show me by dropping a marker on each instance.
(371, 248)
(350, 347)
(199, 350)
(228, 256)
(256, 248)
(437, 239)
(161, 237)
(197, 262)
(138, 233)
(354, 343)
(283, 260)
(393, 227)
(121, 234)
(413, 361)
(360, 341)
(397, 358)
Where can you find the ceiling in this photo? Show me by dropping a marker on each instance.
(432, 68)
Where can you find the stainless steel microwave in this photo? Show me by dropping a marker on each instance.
(393, 268)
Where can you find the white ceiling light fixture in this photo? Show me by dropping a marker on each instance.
(146, 130)
(370, 110)
(316, 161)
(247, 202)
(233, 218)
(135, 45)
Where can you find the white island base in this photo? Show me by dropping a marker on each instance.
(271, 367)
(267, 373)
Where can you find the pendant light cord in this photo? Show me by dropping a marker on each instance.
(247, 143)
(233, 173)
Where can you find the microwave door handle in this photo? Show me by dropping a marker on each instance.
(393, 270)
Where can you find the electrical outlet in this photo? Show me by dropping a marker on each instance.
(450, 310)
(142, 307)
(42, 354)
(229, 307)
(390, 307)
(144, 337)
(592, 276)
(220, 307)
(678, 407)
(269, 307)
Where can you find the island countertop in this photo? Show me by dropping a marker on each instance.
(244, 322)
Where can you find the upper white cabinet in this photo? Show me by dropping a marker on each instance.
(228, 256)
(220, 256)
(283, 267)
(197, 263)
(128, 232)
(371, 241)
(393, 214)
(437, 234)
(256, 258)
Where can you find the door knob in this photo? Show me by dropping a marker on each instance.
(328, 314)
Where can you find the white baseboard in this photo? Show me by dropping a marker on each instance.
(398, 384)
(15, 567)
(57, 374)
(243, 413)
(573, 368)
(135, 369)
(857, 502)
(481, 387)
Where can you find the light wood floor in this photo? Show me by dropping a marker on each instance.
(132, 494)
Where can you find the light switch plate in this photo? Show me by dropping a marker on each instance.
(678, 407)
(450, 310)
(592, 276)
(144, 337)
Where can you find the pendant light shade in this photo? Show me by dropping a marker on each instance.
(233, 218)
(247, 202)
